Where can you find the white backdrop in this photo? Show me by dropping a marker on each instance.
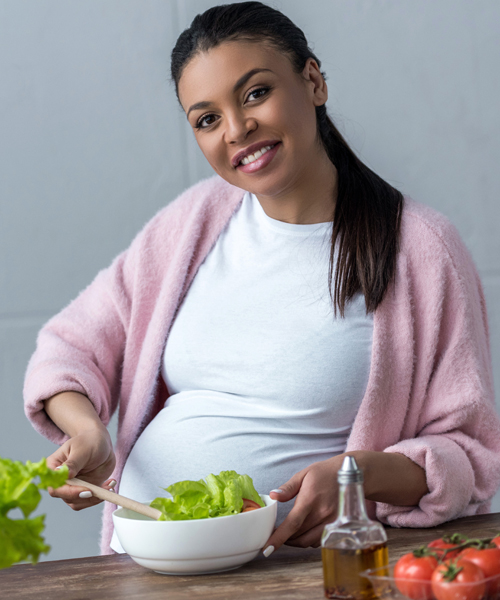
(93, 143)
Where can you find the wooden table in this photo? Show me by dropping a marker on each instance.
(291, 573)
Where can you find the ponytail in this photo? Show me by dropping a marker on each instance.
(366, 225)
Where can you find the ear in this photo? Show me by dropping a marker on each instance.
(317, 82)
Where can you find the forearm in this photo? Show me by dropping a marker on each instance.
(391, 478)
(88, 453)
(73, 413)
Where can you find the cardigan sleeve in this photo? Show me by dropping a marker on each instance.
(452, 429)
(81, 349)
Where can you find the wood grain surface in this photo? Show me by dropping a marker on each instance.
(292, 573)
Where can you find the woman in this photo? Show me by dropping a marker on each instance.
(275, 317)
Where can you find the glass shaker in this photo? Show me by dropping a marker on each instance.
(353, 542)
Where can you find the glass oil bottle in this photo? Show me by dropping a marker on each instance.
(353, 542)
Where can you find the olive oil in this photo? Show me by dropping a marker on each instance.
(353, 543)
(341, 569)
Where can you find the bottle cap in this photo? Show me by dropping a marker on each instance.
(349, 472)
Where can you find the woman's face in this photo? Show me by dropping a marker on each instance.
(244, 98)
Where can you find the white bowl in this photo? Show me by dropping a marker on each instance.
(195, 547)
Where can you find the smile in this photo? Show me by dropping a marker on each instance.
(253, 157)
(256, 157)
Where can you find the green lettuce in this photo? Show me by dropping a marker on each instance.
(21, 539)
(215, 496)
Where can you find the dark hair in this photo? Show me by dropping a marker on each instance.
(367, 216)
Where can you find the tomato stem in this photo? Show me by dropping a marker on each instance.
(452, 570)
(479, 543)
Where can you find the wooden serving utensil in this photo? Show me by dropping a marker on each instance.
(113, 497)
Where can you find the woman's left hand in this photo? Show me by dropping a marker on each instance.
(315, 491)
(388, 477)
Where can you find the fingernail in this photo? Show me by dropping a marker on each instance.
(278, 491)
(268, 551)
(85, 494)
(57, 468)
(112, 483)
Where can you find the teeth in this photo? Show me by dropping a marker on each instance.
(253, 157)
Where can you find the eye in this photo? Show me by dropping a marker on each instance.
(205, 121)
(258, 93)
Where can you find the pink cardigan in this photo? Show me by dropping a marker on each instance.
(429, 395)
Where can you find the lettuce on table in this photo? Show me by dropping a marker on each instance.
(21, 539)
(215, 496)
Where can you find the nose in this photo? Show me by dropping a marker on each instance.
(238, 127)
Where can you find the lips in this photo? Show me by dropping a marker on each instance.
(259, 162)
(237, 158)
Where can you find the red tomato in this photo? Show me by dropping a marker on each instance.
(249, 505)
(467, 584)
(439, 546)
(488, 560)
(496, 541)
(413, 576)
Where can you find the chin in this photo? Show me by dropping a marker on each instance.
(270, 190)
(262, 185)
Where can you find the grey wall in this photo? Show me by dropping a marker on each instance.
(92, 143)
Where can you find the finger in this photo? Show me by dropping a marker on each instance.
(74, 467)
(310, 538)
(58, 462)
(76, 497)
(290, 489)
(290, 525)
(86, 503)
(76, 460)
(65, 456)
(68, 493)
(56, 459)
(318, 515)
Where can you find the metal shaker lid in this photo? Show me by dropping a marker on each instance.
(349, 472)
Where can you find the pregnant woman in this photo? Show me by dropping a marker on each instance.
(291, 309)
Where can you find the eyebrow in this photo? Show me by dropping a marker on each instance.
(240, 83)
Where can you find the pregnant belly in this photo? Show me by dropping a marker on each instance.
(195, 435)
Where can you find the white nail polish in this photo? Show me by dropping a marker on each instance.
(112, 483)
(268, 551)
(85, 494)
(278, 491)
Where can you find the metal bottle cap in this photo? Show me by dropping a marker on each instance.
(349, 472)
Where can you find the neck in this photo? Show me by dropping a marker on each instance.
(309, 198)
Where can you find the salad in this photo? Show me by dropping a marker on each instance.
(227, 493)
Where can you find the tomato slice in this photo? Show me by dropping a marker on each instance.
(249, 505)
(413, 576)
(458, 579)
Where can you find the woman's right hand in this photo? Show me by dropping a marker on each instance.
(88, 453)
(89, 456)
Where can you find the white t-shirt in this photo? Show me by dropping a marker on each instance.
(263, 378)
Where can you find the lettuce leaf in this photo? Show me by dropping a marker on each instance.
(248, 491)
(21, 539)
(216, 496)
